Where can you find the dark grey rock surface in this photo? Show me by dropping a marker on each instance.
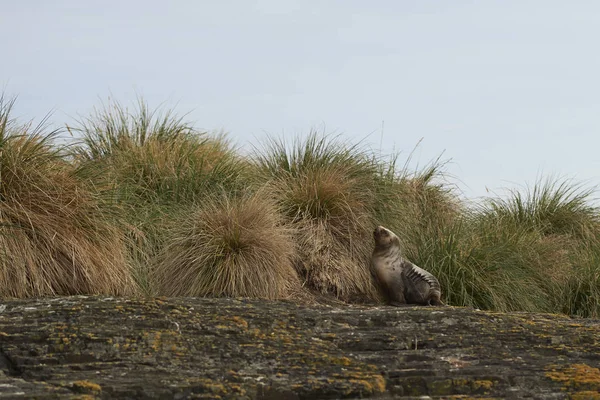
(102, 347)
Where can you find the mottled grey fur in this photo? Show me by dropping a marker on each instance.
(401, 281)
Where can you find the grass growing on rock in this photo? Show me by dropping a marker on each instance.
(155, 164)
(534, 250)
(229, 246)
(144, 193)
(566, 226)
(333, 194)
(154, 156)
(580, 293)
(551, 207)
(327, 193)
(55, 239)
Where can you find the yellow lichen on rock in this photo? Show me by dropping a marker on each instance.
(585, 395)
(482, 384)
(240, 322)
(86, 386)
(577, 376)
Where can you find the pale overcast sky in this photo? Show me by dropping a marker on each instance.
(508, 90)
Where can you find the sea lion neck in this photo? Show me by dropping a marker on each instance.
(388, 248)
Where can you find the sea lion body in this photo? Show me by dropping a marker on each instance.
(401, 281)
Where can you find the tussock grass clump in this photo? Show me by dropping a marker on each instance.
(327, 192)
(154, 164)
(145, 194)
(530, 251)
(229, 246)
(562, 214)
(154, 157)
(333, 195)
(581, 292)
(509, 262)
(558, 207)
(495, 267)
(55, 239)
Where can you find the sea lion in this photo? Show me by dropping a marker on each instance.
(401, 281)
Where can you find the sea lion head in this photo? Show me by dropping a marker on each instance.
(384, 238)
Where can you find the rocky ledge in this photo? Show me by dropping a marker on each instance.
(102, 347)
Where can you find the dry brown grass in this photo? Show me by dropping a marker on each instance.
(555, 258)
(333, 261)
(327, 192)
(157, 165)
(305, 233)
(153, 156)
(54, 236)
(332, 226)
(229, 246)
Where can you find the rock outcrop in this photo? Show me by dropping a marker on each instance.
(99, 347)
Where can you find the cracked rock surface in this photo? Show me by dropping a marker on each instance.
(102, 347)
